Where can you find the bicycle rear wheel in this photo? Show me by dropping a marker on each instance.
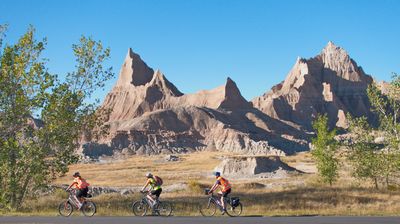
(139, 208)
(88, 208)
(164, 208)
(234, 211)
(208, 208)
(65, 208)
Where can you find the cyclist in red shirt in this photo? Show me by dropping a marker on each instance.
(81, 186)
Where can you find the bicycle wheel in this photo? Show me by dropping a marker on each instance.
(88, 208)
(65, 208)
(139, 208)
(208, 208)
(164, 208)
(234, 211)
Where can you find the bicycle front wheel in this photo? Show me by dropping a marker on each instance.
(208, 208)
(88, 208)
(139, 208)
(164, 208)
(234, 211)
(65, 208)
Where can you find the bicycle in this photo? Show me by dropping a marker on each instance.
(141, 207)
(234, 207)
(67, 207)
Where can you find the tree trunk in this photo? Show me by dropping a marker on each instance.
(12, 188)
(23, 191)
(376, 182)
(387, 181)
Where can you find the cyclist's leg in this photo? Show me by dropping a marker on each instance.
(150, 198)
(78, 197)
(155, 194)
(223, 196)
(221, 200)
(158, 193)
(84, 194)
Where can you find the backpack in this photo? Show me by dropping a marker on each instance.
(158, 180)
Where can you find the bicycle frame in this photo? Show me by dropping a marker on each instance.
(72, 199)
(145, 199)
(217, 200)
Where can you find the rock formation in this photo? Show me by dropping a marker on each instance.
(138, 90)
(331, 83)
(227, 96)
(255, 166)
(149, 115)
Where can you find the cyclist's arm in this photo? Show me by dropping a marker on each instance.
(214, 187)
(73, 183)
(147, 184)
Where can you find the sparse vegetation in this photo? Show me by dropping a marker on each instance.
(336, 200)
(295, 195)
(131, 171)
(196, 187)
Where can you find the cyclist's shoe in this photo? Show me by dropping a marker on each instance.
(223, 211)
(155, 212)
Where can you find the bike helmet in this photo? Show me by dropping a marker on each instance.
(76, 174)
(217, 174)
(149, 175)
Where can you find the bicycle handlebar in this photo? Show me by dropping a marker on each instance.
(207, 192)
(70, 191)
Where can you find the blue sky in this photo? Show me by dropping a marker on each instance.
(197, 44)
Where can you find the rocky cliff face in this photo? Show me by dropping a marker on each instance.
(243, 167)
(330, 83)
(149, 115)
(227, 96)
(138, 90)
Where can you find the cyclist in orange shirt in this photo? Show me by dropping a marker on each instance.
(81, 186)
(225, 187)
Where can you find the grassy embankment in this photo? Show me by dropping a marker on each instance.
(295, 195)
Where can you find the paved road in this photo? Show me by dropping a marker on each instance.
(198, 220)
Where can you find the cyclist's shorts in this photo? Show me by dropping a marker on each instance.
(225, 194)
(82, 192)
(156, 192)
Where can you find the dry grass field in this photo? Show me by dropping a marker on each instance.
(299, 194)
(131, 172)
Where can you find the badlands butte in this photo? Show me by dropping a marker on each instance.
(147, 114)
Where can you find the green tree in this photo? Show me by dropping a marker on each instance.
(372, 159)
(387, 106)
(363, 153)
(324, 150)
(33, 151)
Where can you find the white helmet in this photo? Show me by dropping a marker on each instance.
(149, 175)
